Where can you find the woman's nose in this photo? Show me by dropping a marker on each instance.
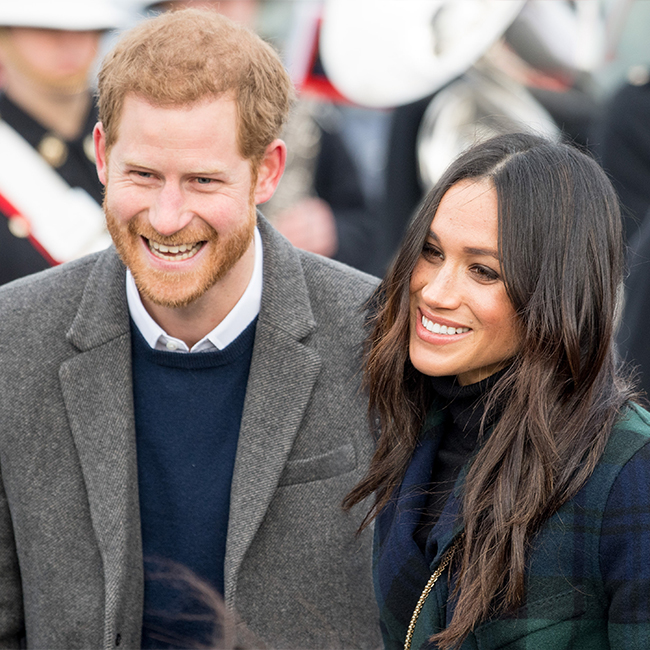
(442, 289)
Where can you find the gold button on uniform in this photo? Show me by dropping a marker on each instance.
(89, 148)
(18, 226)
(53, 150)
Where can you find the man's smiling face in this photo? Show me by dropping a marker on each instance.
(180, 199)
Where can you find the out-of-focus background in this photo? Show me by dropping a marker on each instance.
(389, 92)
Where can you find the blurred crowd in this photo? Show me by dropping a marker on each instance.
(388, 94)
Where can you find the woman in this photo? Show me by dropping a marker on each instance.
(509, 448)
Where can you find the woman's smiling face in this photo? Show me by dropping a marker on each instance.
(461, 319)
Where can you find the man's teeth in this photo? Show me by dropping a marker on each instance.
(437, 328)
(176, 253)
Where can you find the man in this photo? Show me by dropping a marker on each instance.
(320, 205)
(201, 408)
(49, 192)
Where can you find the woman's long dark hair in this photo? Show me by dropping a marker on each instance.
(561, 250)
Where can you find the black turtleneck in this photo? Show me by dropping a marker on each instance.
(463, 407)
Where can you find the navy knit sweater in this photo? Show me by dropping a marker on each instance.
(188, 410)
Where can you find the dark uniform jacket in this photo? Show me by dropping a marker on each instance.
(76, 165)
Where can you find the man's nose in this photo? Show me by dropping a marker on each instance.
(169, 212)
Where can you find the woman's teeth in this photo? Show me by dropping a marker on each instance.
(436, 328)
(175, 253)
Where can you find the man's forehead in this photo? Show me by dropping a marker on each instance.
(133, 99)
(210, 118)
(202, 135)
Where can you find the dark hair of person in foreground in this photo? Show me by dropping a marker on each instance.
(197, 616)
(560, 395)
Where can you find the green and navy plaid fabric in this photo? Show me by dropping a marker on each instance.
(588, 576)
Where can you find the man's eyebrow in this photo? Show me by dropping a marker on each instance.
(197, 172)
(207, 172)
(470, 250)
(128, 164)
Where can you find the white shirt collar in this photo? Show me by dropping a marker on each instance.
(237, 320)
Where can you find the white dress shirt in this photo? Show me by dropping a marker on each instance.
(237, 320)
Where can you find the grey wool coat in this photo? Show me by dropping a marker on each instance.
(71, 566)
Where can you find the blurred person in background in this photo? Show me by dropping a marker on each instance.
(49, 191)
(622, 139)
(622, 136)
(632, 338)
(320, 205)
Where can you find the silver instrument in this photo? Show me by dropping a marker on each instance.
(386, 53)
(482, 103)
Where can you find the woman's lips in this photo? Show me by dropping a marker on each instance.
(440, 330)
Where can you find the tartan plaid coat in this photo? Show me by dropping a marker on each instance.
(588, 576)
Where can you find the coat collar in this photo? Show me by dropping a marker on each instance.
(103, 314)
(285, 298)
(283, 372)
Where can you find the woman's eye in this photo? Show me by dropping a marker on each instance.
(485, 273)
(431, 252)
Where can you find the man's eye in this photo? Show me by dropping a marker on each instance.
(205, 181)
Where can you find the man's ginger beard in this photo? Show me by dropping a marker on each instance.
(178, 288)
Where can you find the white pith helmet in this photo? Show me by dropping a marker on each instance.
(72, 15)
(384, 53)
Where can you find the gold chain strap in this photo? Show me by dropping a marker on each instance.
(445, 562)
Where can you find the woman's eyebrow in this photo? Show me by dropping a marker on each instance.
(470, 250)
(481, 251)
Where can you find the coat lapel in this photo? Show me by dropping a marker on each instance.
(97, 391)
(282, 376)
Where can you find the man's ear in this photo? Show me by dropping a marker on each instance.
(270, 171)
(99, 138)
